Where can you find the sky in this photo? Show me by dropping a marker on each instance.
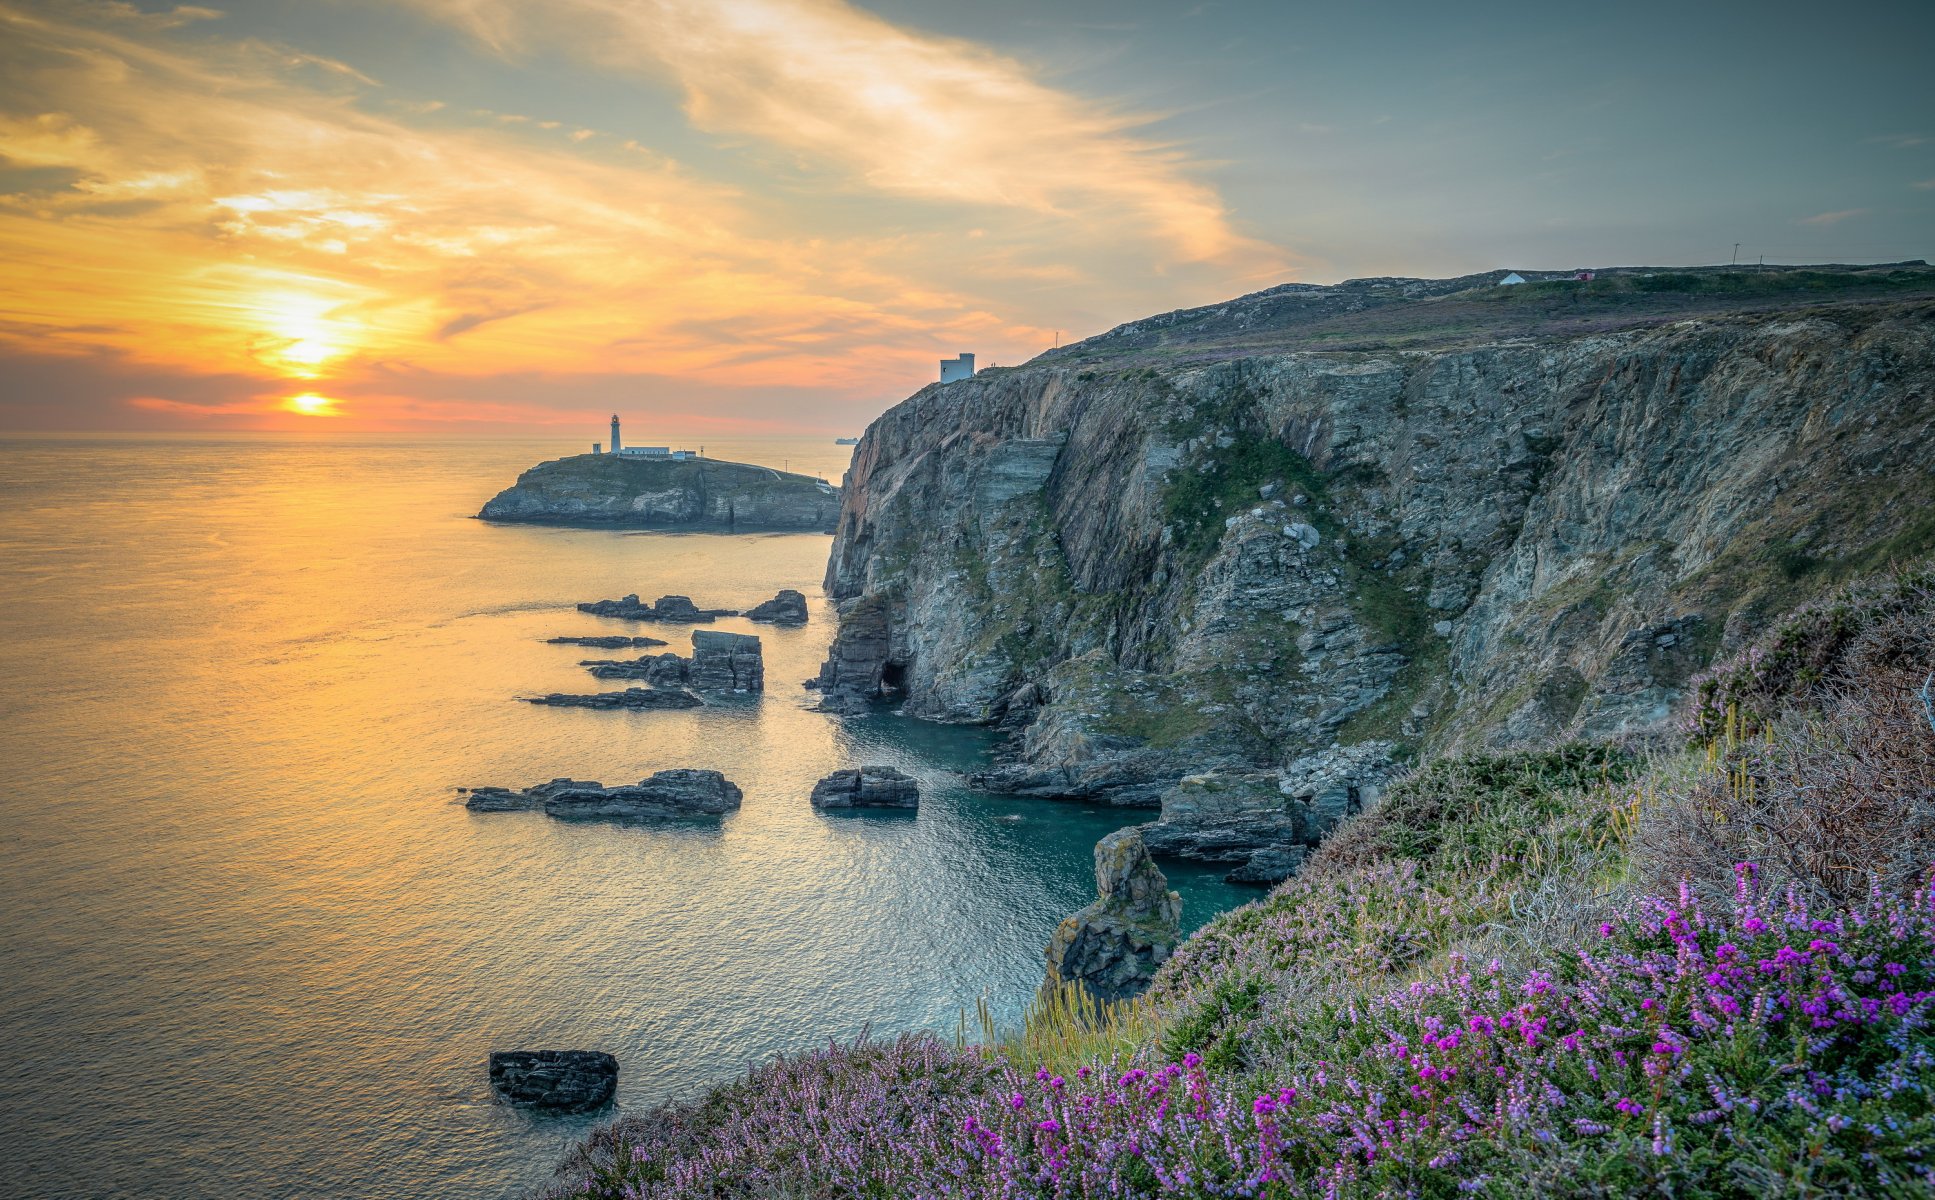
(775, 216)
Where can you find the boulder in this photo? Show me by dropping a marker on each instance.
(636, 698)
(567, 1080)
(727, 662)
(1113, 947)
(867, 787)
(787, 608)
(615, 642)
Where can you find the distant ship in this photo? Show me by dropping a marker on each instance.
(846, 441)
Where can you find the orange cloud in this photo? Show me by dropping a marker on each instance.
(245, 209)
(905, 113)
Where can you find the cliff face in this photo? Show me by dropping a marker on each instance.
(1154, 560)
(644, 493)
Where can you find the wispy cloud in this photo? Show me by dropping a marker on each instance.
(897, 111)
(1833, 218)
(1900, 141)
(203, 204)
(1924, 184)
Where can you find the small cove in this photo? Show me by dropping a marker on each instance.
(255, 947)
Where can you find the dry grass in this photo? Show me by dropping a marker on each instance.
(1825, 802)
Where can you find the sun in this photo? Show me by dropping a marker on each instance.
(309, 404)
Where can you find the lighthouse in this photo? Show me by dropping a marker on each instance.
(616, 445)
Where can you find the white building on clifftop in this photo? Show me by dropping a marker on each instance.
(957, 368)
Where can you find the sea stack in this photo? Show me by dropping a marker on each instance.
(867, 787)
(1113, 947)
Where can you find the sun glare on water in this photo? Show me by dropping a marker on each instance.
(309, 404)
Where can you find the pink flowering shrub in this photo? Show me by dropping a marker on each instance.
(1767, 1049)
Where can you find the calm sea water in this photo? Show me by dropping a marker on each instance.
(249, 946)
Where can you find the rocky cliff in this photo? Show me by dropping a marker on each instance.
(1420, 512)
(703, 495)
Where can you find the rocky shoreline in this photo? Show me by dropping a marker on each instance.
(694, 495)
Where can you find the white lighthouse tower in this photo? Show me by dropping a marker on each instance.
(616, 445)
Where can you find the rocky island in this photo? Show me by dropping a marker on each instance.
(698, 495)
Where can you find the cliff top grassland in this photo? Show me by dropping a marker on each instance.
(1689, 967)
(1395, 313)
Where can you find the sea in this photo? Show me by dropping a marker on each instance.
(251, 943)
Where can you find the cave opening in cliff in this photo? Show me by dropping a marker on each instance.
(893, 677)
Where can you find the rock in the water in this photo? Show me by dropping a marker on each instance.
(679, 792)
(637, 492)
(667, 608)
(500, 799)
(727, 662)
(720, 662)
(867, 787)
(1113, 947)
(569, 1080)
(614, 642)
(629, 698)
(787, 608)
(666, 670)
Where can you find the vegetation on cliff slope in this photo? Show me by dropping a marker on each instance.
(1590, 970)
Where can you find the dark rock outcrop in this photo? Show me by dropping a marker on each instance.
(727, 662)
(700, 495)
(566, 1080)
(680, 792)
(1263, 823)
(668, 608)
(720, 662)
(787, 608)
(635, 698)
(660, 670)
(867, 787)
(614, 642)
(1113, 947)
(1215, 541)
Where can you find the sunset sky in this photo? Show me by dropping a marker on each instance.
(776, 215)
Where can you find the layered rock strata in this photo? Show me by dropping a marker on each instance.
(1211, 542)
(680, 792)
(720, 662)
(867, 787)
(1113, 947)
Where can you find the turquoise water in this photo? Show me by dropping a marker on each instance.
(251, 945)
